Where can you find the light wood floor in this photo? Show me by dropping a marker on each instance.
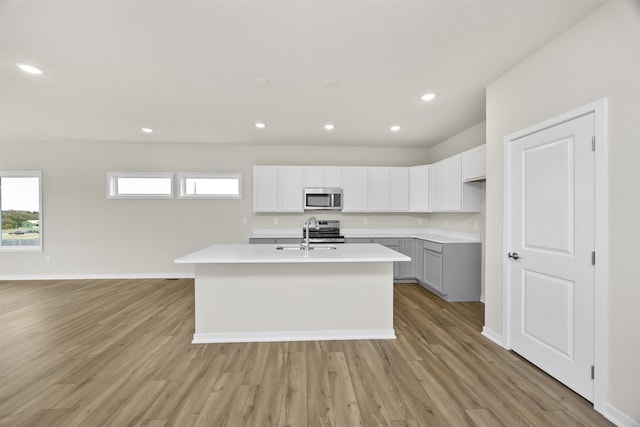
(118, 353)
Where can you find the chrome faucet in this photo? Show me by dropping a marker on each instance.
(311, 222)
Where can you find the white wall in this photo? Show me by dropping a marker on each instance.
(86, 234)
(597, 58)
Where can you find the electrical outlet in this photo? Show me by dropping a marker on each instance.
(244, 220)
(364, 220)
(476, 225)
(47, 258)
(446, 222)
(420, 221)
(275, 221)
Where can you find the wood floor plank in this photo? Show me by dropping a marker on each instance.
(119, 352)
(320, 413)
(317, 373)
(343, 396)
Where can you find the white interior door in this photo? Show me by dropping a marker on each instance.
(550, 238)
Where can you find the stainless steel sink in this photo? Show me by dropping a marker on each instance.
(302, 248)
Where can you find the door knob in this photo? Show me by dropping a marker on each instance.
(514, 255)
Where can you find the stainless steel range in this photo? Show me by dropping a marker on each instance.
(327, 231)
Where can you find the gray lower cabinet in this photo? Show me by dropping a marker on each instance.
(261, 241)
(418, 260)
(358, 240)
(432, 264)
(408, 248)
(452, 270)
(391, 243)
(280, 241)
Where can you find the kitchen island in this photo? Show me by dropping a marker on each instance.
(283, 293)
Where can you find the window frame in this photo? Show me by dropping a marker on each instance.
(112, 185)
(26, 174)
(183, 176)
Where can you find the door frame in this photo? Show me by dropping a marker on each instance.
(599, 109)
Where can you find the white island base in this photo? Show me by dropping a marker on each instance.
(325, 296)
(293, 302)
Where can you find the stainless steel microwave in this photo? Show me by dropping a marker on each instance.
(322, 199)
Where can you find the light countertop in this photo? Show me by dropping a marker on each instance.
(433, 235)
(254, 254)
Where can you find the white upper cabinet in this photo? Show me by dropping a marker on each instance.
(419, 188)
(446, 185)
(388, 189)
(447, 191)
(355, 189)
(474, 164)
(265, 188)
(313, 176)
(290, 189)
(277, 189)
(322, 176)
(398, 189)
(378, 189)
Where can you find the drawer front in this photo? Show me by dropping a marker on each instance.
(387, 241)
(261, 240)
(433, 246)
(288, 240)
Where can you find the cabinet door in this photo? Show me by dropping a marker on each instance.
(290, 189)
(355, 189)
(474, 164)
(453, 184)
(379, 189)
(433, 269)
(446, 185)
(419, 188)
(408, 269)
(265, 189)
(438, 187)
(322, 176)
(398, 189)
(419, 260)
(394, 244)
(332, 177)
(313, 177)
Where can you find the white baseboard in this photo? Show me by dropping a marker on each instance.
(493, 336)
(279, 336)
(617, 417)
(100, 276)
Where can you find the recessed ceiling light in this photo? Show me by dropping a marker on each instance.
(29, 68)
(394, 128)
(428, 97)
(331, 83)
(329, 126)
(146, 130)
(260, 125)
(261, 82)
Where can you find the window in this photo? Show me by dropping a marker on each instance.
(21, 210)
(139, 185)
(210, 185)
